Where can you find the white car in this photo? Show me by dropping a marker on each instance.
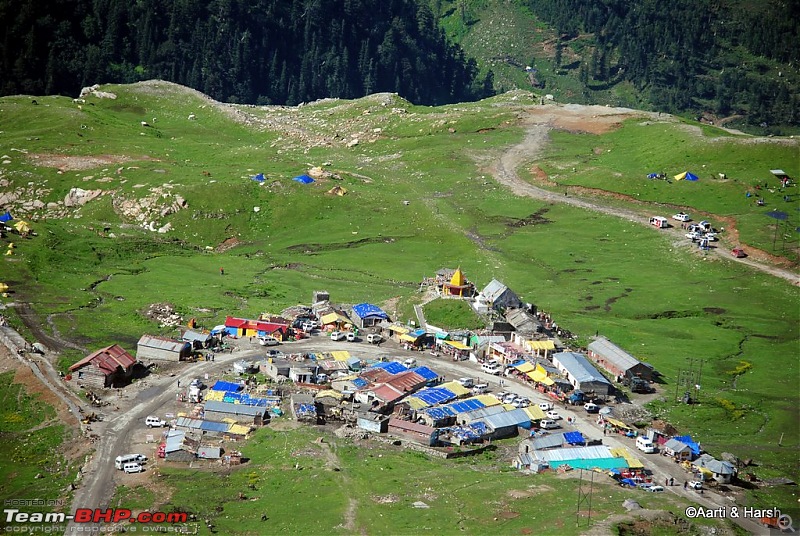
(132, 467)
(466, 382)
(654, 489)
(374, 338)
(410, 362)
(545, 406)
(521, 403)
(693, 236)
(694, 484)
(681, 216)
(510, 398)
(338, 336)
(154, 422)
(351, 337)
(554, 415)
(268, 340)
(591, 408)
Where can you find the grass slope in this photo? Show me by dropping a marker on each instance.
(93, 272)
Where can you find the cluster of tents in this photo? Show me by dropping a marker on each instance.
(304, 179)
(685, 176)
(22, 227)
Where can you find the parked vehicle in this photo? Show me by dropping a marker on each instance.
(480, 388)
(659, 222)
(491, 367)
(466, 382)
(591, 407)
(154, 422)
(120, 461)
(654, 489)
(308, 327)
(510, 398)
(576, 398)
(545, 406)
(645, 444)
(694, 484)
(268, 340)
(132, 467)
(738, 253)
(521, 402)
(547, 424)
(681, 216)
(374, 338)
(410, 362)
(338, 336)
(351, 337)
(554, 415)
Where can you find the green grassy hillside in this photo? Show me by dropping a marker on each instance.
(419, 197)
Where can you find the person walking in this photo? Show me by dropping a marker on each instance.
(685, 485)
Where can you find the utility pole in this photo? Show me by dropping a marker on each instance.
(584, 498)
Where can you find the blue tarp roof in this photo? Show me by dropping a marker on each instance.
(6, 217)
(213, 426)
(226, 386)
(243, 398)
(435, 395)
(360, 382)
(426, 373)
(440, 413)
(574, 438)
(517, 363)
(305, 179)
(364, 310)
(419, 332)
(258, 178)
(687, 440)
(466, 405)
(392, 367)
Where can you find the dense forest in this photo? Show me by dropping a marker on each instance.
(725, 56)
(245, 51)
(729, 58)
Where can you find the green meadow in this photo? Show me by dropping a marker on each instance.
(302, 486)
(417, 201)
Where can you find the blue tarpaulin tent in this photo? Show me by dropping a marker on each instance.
(258, 178)
(687, 440)
(305, 179)
(6, 217)
(686, 175)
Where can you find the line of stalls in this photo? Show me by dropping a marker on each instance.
(571, 450)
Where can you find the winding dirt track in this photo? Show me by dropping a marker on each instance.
(538, 126)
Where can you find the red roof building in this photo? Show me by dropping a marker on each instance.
(107, 367)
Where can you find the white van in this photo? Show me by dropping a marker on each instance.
(645, 444)
(338, 336)
(374, 338)
(547, 424)
(410, 362)
(132, 467)
(491, 367)
(480, 388)
(120, 461)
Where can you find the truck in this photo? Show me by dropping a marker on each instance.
(576, 398)
(637, 384)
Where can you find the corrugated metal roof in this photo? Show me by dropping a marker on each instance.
(193, 336)
(411, 426)
(174, 440)
(579, 367)
(211, 453)
(387, 393)
(406, 381)
(480, 413)
(576, 453)
(186, 422)
(161, 343)
(548, 441)
(507, 418)
(613, 353)
(107, 359)
(213, 426)
(233, 409)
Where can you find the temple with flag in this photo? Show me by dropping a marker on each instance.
(457, 285)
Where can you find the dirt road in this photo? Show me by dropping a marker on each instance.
(591, 118)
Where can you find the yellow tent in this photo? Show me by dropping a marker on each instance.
(22, 227)
(337, 190)
(3, 287)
